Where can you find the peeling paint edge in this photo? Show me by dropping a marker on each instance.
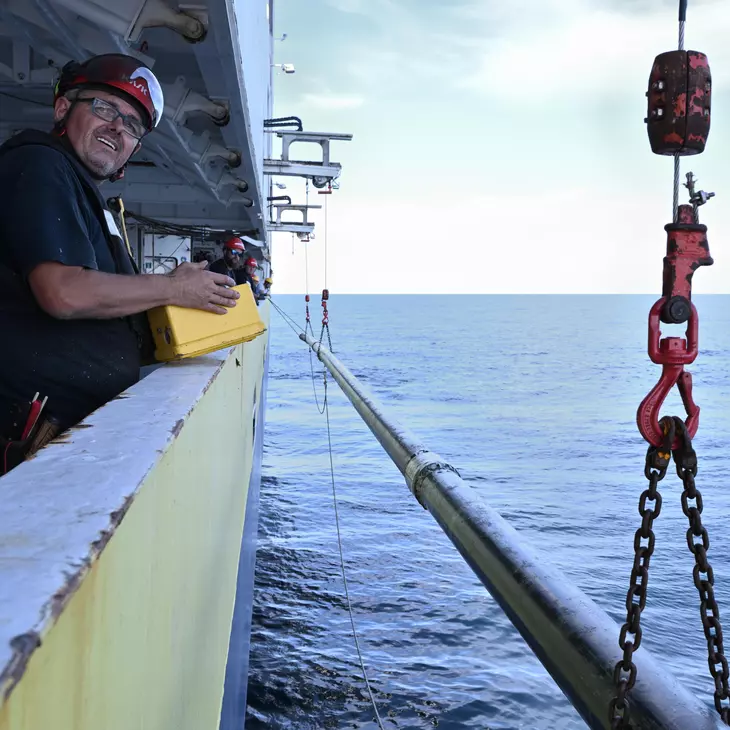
(24, 645)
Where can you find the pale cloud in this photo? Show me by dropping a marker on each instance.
(532, 50)
(333, 101)
(349, 6)
(593, 50)
(569, 241)
(373, 8)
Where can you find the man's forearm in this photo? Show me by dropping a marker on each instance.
(70, 292)
(106, 296)
(88, 294)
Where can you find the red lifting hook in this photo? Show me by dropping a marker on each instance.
(672, 353)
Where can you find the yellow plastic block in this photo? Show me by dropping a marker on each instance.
(180, 332)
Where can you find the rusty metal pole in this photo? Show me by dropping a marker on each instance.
(573, 638)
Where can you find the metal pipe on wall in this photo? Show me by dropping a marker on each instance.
(576, 641)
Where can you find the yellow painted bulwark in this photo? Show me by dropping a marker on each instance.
(142, 641)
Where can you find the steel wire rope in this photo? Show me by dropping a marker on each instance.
(292, 324)
(342, 563)
(680, 46)
(325, 241)
(289, 320)
(308, 324)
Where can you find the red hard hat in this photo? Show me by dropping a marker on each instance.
(251, 262)
(234, 244)
(118, 73)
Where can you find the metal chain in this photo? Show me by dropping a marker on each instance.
(325, 320)
(326, 328)
(698, 542)
(650, 504)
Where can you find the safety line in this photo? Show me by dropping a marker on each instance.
(326, 412)
(342, 561)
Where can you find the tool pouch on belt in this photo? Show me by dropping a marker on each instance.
(16, 451)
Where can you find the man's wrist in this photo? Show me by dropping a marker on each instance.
(168, 288)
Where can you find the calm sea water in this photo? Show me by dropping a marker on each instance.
(533, 399)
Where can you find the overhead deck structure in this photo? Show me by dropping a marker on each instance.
(204, 163)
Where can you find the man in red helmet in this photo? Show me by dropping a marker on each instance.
(230, 263)
(249, 271)
(71, 305)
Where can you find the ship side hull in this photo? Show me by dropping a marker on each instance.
(233, 711)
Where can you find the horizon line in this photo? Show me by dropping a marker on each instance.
(495, 294)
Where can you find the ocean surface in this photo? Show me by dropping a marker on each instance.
(533, 399)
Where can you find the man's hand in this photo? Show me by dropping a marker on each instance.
(71, 292)
(199, 289)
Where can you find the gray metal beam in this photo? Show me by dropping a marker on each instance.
(161, 193)
(58, 26)
(223, 74)
(574, 638)
(302, 169)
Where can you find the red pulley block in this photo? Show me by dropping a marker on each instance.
(678, 117)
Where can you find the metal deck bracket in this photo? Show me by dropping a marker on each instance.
(303, 209)
(320, 172)
(323, 139)
(130, 17)
(314, 170)
(301, 229)
(200, 148)
(180, 101)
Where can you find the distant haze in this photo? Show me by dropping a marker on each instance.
(499, 147)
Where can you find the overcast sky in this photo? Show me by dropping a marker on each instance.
(499, 146)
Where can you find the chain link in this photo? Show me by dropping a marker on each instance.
(650, 505)
(326, 328)
(698, 542)
(325, 320)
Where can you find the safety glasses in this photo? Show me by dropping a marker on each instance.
(109, 113)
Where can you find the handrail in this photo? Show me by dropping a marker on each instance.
(576, 641)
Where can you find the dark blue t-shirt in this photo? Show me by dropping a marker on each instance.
(46, 215)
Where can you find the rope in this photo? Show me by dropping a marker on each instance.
(342, 563)
(675, 189)
(325, 241)
(294, 326)
(289, 320)
(325, 409)
(306, 269)
(308, 327)
(314, 389)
